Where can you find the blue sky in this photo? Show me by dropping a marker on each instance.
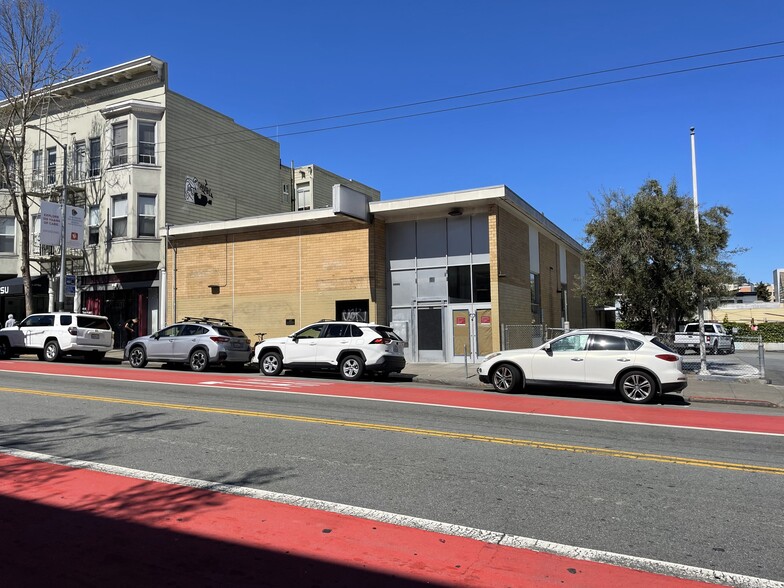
(270, 63)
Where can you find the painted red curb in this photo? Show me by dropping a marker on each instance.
(522, 404)
(340, 548)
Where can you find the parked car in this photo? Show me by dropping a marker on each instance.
(197, 342)
(717, 340)
(351, 348)
(639, 367)
(50, 335)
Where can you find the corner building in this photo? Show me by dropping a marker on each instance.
(458, 275)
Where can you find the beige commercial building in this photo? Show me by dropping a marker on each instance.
(456, 274)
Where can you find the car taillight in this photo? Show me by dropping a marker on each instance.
(72, 330)
(668, 357)
(220, 339)
(381, 341)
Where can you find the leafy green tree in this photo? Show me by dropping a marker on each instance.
(763, 293)
(645, 251)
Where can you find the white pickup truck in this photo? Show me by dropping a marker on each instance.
(717, 340)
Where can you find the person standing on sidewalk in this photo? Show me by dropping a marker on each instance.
(129, 330)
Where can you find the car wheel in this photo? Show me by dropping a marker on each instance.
(137, 357)
(352, 367)
(506, 378)
(5, 349)
(199, 360)
(271, 363)
(52, 351)
(637, 387)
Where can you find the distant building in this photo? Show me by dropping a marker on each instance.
(778, 285)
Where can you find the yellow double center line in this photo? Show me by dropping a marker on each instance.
(416, 431)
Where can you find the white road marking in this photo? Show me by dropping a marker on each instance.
(494, 537)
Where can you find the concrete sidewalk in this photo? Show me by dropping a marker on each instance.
(715, 389)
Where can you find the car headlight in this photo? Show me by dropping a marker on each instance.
(492, 355)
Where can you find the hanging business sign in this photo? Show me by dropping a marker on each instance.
(50, 223)
(74, 227)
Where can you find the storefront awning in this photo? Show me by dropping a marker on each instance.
(15, 286)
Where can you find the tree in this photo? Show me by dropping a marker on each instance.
(645, 252)
(763, 293)
(30, 66)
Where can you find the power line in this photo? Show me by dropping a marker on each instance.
(480, 93)
(492, 102)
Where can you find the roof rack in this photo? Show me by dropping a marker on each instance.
(206, 320)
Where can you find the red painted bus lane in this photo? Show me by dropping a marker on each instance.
(522, 404)
(82, 527)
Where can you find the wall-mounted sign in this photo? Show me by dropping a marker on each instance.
(197, 192)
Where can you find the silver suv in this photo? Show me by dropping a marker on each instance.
(198, 342)
(50, 335)
(351, 348)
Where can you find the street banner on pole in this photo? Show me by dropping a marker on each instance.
(50, 223)
(74, 227)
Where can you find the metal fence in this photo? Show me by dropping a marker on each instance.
(746, 361)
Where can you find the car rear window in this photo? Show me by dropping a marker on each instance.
(231, 332)
(659, 343)
(93, 322)
(387, 332)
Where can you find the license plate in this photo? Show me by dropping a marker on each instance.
(237, 345)
(95, 336)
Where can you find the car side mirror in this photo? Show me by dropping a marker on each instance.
(156, 336)
(547, 348)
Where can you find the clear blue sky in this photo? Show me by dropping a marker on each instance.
(269, 63)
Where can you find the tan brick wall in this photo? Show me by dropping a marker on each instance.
(549, 277)
(267, 277)
(514, 290)
(573, 287)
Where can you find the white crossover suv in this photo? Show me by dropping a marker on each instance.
(639, 367)
(51, 335)
(351, 348)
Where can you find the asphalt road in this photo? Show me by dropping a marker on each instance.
(701, 514)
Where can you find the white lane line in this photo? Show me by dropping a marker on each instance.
(494, 537)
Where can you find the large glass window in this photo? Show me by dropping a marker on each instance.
(304, 200)
(147, 142)
(10, 167)
(119, 216)
(93, 222)
(459, 278)
(51, 165)
(481, 282)
(95, 157)
(120, 143)
(146, 215)
(7, 234)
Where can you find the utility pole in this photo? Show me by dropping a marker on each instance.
(700, 304)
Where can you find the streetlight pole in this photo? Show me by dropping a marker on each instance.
(61, 287)
(700, 304)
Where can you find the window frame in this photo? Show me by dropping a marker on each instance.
(119, 150)
(51, 166)
(115, 218)
(80, 160)
(142, 219)
(8, 234)
(94, 164)
(149, 147)
(93, 228)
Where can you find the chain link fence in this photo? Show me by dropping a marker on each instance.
(746, 360)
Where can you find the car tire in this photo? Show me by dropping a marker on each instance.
(732, 348)
(352, 367)
(52, 350)
(137, 357)
(5, 349)
(199, 360)
(506, 378)
(270, 363)
(637, 387)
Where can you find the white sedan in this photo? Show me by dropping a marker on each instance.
(639, 367)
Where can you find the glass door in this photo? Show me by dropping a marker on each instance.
(430, 334)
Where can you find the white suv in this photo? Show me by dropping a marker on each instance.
(53, 334)
(351, 348)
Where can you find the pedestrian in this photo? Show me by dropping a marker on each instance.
(11, 322)
(129, 330)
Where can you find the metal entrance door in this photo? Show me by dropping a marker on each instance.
(430, 333)
(472, 334)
